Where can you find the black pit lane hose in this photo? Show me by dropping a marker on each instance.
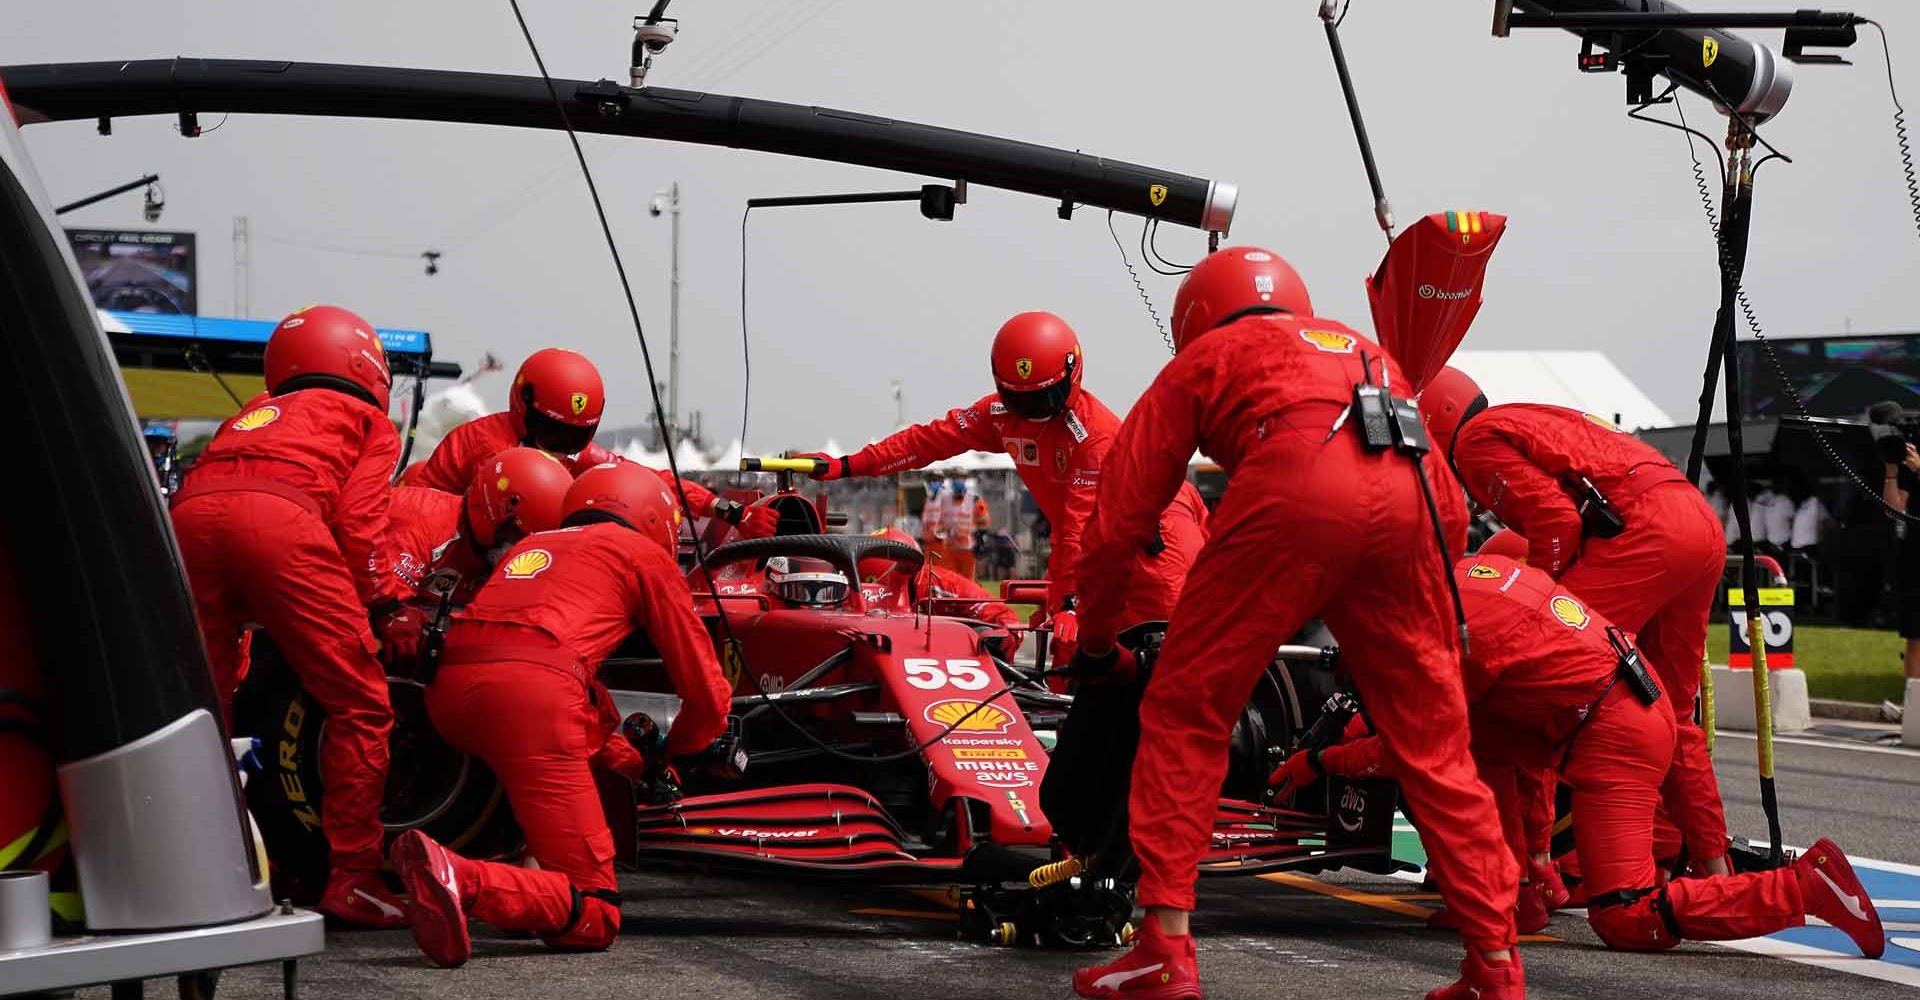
(673, 464)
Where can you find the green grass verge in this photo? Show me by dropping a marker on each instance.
(1845, 663)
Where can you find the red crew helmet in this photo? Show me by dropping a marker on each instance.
(516, 493)
(328, 347)
(1234, 280)
(1036, 364)
(626, 493)
(1448, 402)
(874, 566)
(557, 400)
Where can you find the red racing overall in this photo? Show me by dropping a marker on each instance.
(1311, 523)
(1657, 578)
(1060, 461)
(458, 456)
(516, 689)
(1540, 679)
(283, 522)
(426, 536)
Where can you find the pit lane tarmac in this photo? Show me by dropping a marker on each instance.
(1355, 937)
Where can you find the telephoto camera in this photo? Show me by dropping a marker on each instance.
(1893, 428)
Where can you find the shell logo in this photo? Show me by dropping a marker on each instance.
(1569, 611)
(1023, 368)
(983, 718)
(253, 420)
(1483, 572)
(528, 564)
(1328, 341)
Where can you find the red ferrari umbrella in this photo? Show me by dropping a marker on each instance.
(1427, 289)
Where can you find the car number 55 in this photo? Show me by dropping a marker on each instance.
(932, 675)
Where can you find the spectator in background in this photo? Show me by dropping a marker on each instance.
(1716, 498)
(933, 534)
(1899, 488)
(1810, 518)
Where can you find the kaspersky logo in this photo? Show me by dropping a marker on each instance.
(253, 420)
(527, 565)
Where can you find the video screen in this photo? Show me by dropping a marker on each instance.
(136, 271)
(1835, 377)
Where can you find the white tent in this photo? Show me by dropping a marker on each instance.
(1582, 380)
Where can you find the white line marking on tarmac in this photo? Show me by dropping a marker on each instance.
(1855, 965)
(1801, 741)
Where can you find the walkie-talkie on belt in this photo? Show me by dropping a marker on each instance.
(1633, 670)
(441, 584)
(1598, 518)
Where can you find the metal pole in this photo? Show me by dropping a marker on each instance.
(1734, 229)
(673, 326)
(1382, 211)
(242, 268)
(108, 193)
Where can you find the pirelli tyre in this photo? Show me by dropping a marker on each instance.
(430, 785)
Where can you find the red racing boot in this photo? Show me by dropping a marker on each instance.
(1158, 968)
(438, 916)
(1533, 915)
(1552, 889)
(361, 899)
(1480, 981)
(1831, 891)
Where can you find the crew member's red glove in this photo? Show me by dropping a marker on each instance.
(1066, 628)
(749, 522)
(400, 629)
(1298, 772)
(758, 522)
(836, 467)
(1116, 664)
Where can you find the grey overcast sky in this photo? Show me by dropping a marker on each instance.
(1607, 247)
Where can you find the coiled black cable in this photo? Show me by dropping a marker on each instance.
(1900, 129)
(1138, 285)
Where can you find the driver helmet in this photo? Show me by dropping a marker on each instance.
(806, 582)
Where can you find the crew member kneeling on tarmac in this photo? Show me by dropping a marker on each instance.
(1058, 435)
(1550, 680)
(516, 688)
(283, 522)
(1267, 390)
(513, 495)
(1615, 523)
(555, 406)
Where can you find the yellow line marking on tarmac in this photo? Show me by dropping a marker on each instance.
(881, 911)
(1392, 904)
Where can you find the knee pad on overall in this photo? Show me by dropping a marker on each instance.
(593, 923)
(1634, 919)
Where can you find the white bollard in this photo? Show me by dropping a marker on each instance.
(1733, 700)
(1910, 719)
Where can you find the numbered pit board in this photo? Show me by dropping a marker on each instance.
(1776, 610)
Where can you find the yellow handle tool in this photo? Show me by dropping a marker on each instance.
(804, 466)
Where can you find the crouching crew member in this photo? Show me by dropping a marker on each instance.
(889, 584)
(512, 495)
(283, 522)
(1265, 389)
(1550, 680)
(1058, 435)
(516, 688)
(1615, 523)
(555, 406)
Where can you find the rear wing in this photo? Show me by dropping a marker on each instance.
(182, 367)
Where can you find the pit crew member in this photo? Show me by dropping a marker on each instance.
(1266, 389)
(555, 406)
(513, 494)
(516, 687)
(1058, 435)
(283, 522)
(1548, 681)
(889, 585)
(1614, 522)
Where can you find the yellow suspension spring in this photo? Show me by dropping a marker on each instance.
(1055, 873)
